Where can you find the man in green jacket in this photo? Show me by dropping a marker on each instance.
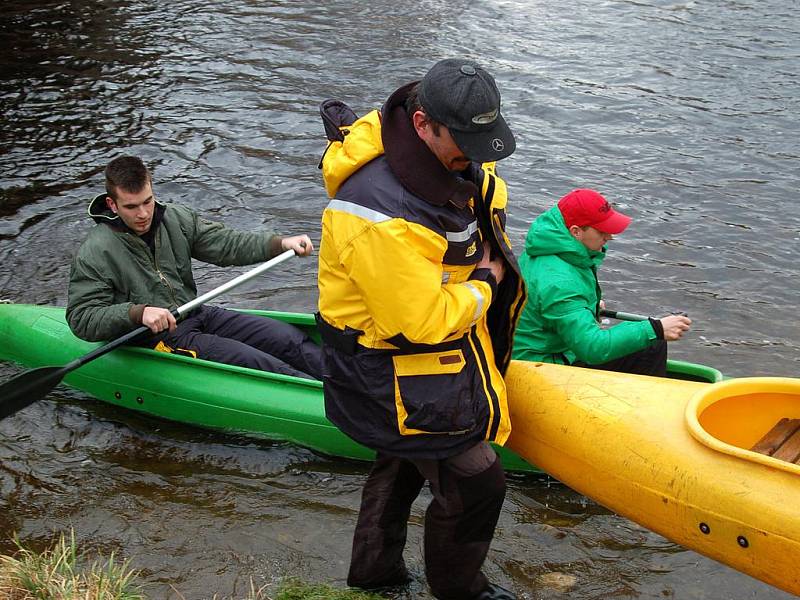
(135, 267)
(560, 322)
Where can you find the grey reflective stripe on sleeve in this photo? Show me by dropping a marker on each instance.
(462, 236)
(359, 211)
(477, 293)
(445, 276)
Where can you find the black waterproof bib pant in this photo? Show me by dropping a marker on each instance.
(468, 491)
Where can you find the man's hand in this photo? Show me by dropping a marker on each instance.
(675, 326)
(496, 266)
(301, 244)
(158, 319)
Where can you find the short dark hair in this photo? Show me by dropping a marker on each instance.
(412, 105)
(127, 173)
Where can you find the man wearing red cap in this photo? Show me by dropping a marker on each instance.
(559, 324)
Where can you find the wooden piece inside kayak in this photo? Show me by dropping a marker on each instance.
(712, 467)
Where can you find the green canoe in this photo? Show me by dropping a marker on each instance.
(202, 393)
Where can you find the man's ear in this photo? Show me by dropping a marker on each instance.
(420, 121)
(111, 204)
(576, 232)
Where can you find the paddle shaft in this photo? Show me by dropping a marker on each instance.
(34, 384)
(622, 316)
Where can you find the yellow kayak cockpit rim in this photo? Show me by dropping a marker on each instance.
(753, 418)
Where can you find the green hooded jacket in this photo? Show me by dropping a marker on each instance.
(559, 321)
(115, 274)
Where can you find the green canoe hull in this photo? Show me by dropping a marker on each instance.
(201, 393)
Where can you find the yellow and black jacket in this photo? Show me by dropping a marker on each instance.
(416, 340)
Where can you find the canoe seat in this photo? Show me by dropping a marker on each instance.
(782, 441)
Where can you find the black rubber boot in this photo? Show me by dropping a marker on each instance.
(495, 592)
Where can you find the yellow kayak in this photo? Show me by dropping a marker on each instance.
(710, 466)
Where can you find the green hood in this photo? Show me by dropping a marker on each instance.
(549, 236)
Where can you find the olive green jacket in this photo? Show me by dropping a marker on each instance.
(115, 274)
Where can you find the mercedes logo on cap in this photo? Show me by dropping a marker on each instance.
(498, 145)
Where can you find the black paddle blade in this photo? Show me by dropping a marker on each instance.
(28, 387)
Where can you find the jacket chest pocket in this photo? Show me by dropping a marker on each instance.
(433, 393)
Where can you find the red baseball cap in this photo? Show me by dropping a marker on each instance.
(587, 207)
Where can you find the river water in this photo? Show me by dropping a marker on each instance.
(684, 114)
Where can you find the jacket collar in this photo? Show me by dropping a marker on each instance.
(412, 162)
(99, 211)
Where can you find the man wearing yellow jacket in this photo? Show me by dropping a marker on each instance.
(419, 296)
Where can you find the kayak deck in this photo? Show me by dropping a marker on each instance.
(674, 456)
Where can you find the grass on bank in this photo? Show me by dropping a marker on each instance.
(297, 590)
(55, 574)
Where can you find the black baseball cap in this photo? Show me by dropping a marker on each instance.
(464, 97)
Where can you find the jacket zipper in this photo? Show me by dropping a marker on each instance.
(156, 246)
(154, 262)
